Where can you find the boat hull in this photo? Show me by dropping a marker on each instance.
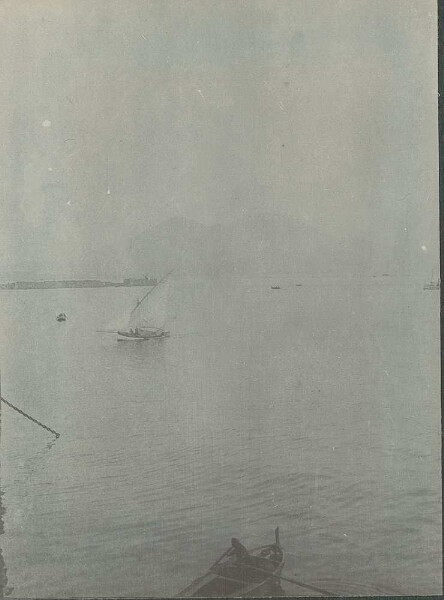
(214, 587)
(124, 336)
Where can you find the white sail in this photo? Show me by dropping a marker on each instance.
(152, 311)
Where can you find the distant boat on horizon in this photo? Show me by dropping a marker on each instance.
(275, 287)
(61, 317)
(148, 318)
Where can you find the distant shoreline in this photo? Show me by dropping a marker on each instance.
(76, 283)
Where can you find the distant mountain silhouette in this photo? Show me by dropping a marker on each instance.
(175, 243)
(258, 244)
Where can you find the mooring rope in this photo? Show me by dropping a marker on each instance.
(30, 418)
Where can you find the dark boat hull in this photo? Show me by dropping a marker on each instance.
(219, 587)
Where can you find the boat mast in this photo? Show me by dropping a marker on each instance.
(151, 290)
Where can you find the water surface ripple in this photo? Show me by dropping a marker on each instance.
(315, 408)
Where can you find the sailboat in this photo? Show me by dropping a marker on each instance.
(148, 318)
(433, 285)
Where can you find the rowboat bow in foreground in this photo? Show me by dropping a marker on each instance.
(239, 573)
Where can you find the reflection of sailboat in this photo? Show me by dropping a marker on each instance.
(108, 191)
(148, 318)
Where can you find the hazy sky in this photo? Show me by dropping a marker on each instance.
(325, 110)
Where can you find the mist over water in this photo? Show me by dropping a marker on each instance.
(249, 137)
(315, 408)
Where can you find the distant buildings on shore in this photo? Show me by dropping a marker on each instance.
(77, 283)
(142, 281)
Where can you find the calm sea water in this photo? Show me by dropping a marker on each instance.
(315, 408)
